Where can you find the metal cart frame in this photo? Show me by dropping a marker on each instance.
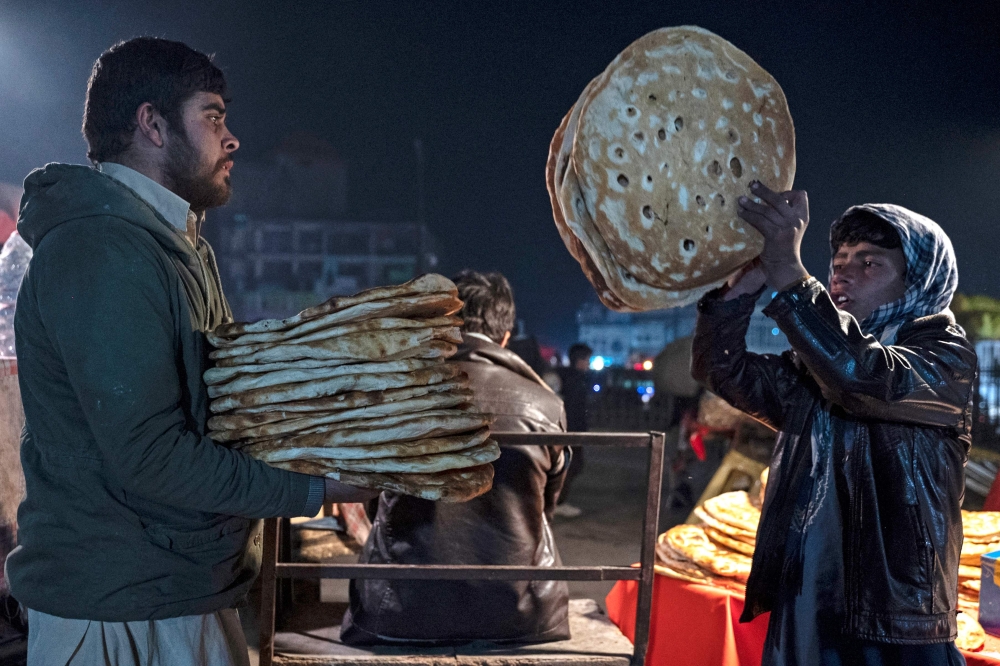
(272, 569)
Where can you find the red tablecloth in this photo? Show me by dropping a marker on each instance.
(698, 625)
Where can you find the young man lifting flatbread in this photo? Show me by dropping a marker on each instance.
(858, 546)
(139, 534)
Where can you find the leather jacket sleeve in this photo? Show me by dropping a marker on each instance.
(925, 380)
(761, 385)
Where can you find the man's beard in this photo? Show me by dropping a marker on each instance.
(190, 181)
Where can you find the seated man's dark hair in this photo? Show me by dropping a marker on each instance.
(579, 352)
(145, 69)
(489, 303)
(863, 226)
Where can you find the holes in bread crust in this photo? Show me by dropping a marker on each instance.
(721, 199)
(639, 136)
(647, 212)
(733, 135)
(630, 111)
(700, 200)
(689, 245)
(679, 124)
(619, 152)
(662, 134)
(652, 98)
(649, 179)
(715, 168)
(736, 166)
(623, 180)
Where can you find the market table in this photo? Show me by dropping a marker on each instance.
(698, 625)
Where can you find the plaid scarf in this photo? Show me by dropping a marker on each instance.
(931, 271)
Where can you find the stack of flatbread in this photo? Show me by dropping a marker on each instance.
(645, 170)
(357, 389)
(981, 530)
(718, 552)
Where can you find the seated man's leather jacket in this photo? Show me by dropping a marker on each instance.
(507, 525)
(901, 419)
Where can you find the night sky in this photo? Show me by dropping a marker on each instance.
(890, 105)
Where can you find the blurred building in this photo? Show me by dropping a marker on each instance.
(285, 243)
(624, 339)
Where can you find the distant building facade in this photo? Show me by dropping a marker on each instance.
(623, 339)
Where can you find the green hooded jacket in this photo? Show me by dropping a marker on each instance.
(131, 511)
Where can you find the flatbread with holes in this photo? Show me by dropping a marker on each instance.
(292, 376)
(328, 387)
(972, 552)
(729, 542)
(410, 449)
(385, 430)
(275, 424)
(459, 485)
(440, 349)
(981, 526)
(690, 542)
(425, 284)
(734, 508)
(668, 139)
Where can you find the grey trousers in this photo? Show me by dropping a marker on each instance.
(215, 639)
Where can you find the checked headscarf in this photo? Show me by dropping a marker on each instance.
(931, 271)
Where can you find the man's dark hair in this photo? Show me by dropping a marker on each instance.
(579, 352)
(489, 303)
(145, 69)
(863, 226)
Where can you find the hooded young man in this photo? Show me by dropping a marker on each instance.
(138, 534)
(858, 546)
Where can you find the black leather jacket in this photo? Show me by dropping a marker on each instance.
(507, 525)
(901, 418)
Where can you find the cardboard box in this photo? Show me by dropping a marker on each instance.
(989, 594)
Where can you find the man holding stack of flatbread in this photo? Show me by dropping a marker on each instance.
(139, 535)
(507, 525)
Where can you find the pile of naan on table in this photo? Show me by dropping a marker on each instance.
(357, 389)
(719, 549)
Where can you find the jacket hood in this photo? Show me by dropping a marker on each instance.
(477, 350)
(57, 193)
(931, 269)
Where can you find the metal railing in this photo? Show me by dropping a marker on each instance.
(271, 569)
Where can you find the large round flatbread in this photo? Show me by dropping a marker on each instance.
(276, 424)
(981, 526)
(425, 284)
(668, 139)
(379, 346)
(441, 349)
(690, 542)
(328, 387)
(729, 542)
(375, 431)
(459, 485)
(270, 413)
(484, 453)
(966, 572)
(971, 635)
(586, 243)
(745, 536)
(408, 449)
(734, 508)
(973, 552)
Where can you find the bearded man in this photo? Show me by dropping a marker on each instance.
(138, 534)
(859, 541)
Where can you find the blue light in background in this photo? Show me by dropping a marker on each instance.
(597, 388)
(597, 363)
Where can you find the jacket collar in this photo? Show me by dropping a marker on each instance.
(480, 349)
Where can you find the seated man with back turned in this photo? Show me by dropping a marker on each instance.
(507, 525)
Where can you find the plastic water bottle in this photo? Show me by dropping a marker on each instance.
(14, 260)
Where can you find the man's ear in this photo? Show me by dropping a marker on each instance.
(152, 126)
(506, 339)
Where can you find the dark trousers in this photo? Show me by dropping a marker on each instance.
(867, 653)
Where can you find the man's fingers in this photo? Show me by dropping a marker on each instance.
(763, 210)
(759, 222)
(777, 201)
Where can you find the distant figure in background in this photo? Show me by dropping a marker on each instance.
(508, 525)
(575, 389)
(526, 346)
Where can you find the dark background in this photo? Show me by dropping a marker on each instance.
(891, 103)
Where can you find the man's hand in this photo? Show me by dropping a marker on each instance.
(782, 220)
(341, 493)
(747, 280)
